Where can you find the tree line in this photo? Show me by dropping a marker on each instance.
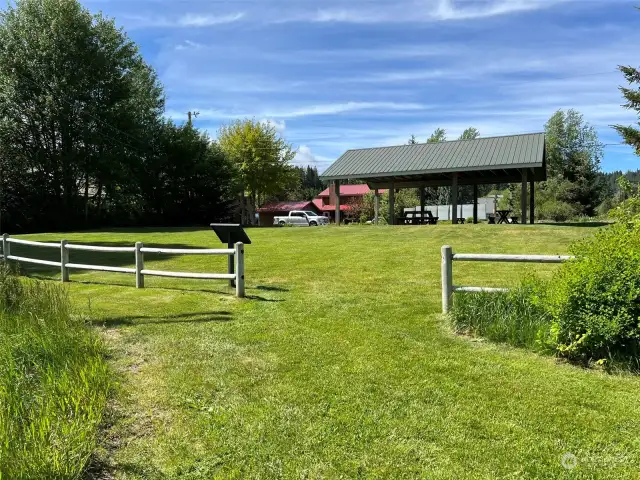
(575, 184)
(84, 141)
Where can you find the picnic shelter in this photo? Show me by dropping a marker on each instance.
(492, 160)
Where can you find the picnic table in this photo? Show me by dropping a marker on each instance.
(503, 216)
(418, 218)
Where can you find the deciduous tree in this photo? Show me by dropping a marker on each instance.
(77, 103)
(262, 160)
(573, 155)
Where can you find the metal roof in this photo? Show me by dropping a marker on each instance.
(347, 190)
(494, 154)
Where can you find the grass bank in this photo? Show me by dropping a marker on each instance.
(506, 317)
(338, 364)
(53, 383)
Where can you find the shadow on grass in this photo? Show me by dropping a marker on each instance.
(263, 299)
(195, 317)
(271, 288)
(576, 224)
(158, 229)
(230, 292)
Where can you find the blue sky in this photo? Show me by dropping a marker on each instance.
(334, 75)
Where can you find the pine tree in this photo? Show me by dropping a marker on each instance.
(630, 134)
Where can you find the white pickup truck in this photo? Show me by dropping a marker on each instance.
(301, 218)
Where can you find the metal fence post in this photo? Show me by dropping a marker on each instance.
(64, 259)
(447, 278)
(5, 246)
(239, 258)
(139, 265)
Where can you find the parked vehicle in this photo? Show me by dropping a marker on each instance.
(300, 218)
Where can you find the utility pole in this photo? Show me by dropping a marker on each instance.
(192, 114)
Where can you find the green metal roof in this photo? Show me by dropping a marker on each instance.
(482, 154)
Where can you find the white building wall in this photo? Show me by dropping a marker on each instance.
(444, 211)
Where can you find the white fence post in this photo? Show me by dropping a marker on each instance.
(239, 258)
(64, 259)
(5, 246)
(447, 278)
(139, 265)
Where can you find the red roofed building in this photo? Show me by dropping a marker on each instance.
(349, 195)
(324, 203)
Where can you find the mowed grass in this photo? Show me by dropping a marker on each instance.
(339, 364)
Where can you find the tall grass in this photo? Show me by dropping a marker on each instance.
(513, 317)
(54, 383)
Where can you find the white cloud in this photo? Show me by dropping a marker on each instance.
(451, 10)
(280, 126)
(189, 45)
(305, 156)
(189, 20)
(337, 108)
(307, 111)
(420, 11)
(195, 20)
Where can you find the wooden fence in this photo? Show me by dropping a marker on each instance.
(235, 275)
(448, 257)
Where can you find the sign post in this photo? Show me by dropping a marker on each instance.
(231, 234)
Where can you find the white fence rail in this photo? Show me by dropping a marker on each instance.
(448, 257)
(235, 277)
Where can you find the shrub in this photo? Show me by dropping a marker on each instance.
(629, 209)
(588, 312)
(556, 210)
(594, 301)
(53, 383)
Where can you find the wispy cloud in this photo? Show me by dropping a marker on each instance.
(451, 10)
(420, 11)
(337, 108)
(189, 20)
(307, 111)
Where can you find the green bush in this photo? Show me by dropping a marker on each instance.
(588, 312)
(555, 210)
(53, 383)
(515, 317)
(594, 301)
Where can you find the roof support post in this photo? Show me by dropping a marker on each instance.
(376, 207)
(392, 205)
(336, 184)
(523, 197)
(475, 203)
(454, 199)
(532, 199)
(422, 201)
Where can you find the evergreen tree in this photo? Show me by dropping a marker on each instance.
(630, 134)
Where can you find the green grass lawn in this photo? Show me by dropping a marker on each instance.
(339, 364)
